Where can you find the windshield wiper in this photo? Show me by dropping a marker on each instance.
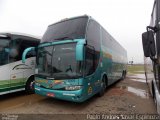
(63, 38)
(46, 52)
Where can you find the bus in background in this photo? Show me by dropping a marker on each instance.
(76, 59)
(15, 75)
(151, 47)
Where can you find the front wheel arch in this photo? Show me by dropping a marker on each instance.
(106, 79)
(102, 91)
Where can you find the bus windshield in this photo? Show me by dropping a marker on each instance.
(59, 62)
(4, 45)
(68, 29)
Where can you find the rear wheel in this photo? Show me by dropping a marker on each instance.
(155, 101)
(30, 85)
(123, 75)
(103, 85)
(146, 77)
(154, 96)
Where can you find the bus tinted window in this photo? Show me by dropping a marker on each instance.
(89, 65)
(4, 47)
(106, 39)
(69, 29)
(27, 43)
(93, 35)
(17, 47)
(93, 39)
(14, 53)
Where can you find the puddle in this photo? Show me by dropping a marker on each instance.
(138, 80)
(10, 103)
(138, 92)
(138, 76)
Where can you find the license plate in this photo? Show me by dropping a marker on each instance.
(50, 94)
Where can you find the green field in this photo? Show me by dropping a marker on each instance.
(135, 69)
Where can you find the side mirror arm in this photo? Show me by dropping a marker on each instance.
(25, 53)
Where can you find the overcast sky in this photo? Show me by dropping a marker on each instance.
(125, 20)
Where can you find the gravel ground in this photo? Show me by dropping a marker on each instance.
(128, 96)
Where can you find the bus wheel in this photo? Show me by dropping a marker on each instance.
(155, 101)
(103, 85)
(30, 85)
(146, 77)
(123, 75)
(154, 96)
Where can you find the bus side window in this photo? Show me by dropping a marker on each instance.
(17, 47)
(14, 54)
(93, 35)
(89, 61)
(106, 41)
(4, 51)
(31, 54)
(93, 39)
(25, 44)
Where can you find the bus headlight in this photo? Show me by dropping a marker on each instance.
(73, 87)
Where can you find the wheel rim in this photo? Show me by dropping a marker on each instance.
(31, 86)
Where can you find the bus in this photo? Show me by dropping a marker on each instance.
(76, 59)
(15, 75)
(151, 48)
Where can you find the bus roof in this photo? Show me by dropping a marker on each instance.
(66, 19)
(19, 35)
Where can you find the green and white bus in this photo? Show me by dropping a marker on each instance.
(15, 75)
(76, 59)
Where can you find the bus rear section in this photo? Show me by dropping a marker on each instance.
(15, 75)
(72, 62)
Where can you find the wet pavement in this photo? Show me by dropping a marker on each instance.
(128, 96)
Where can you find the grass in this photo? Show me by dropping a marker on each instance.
(135, 69)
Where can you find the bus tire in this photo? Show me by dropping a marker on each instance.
(146, 77)
(123, 75)
(154, 95)
(30, 85)
(155, 100)
(104, 86)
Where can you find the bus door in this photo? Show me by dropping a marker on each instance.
(4, 67)
(16, 65)
(91, 62)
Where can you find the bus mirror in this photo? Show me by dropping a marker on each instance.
(25, 53)
(148, 44)
(79, 52)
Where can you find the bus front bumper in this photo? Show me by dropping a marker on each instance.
(74, 96)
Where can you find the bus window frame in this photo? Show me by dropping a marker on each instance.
(93, 60)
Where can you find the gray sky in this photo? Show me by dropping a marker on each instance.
(125, 20)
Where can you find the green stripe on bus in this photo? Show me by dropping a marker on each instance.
(6, 84)
(12, 81)
(11, 88)
(11, 84)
